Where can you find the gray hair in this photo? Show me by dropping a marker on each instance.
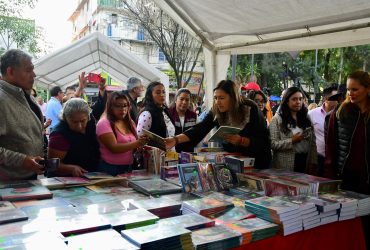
(133, 82)
(13, 58)
(72, 106)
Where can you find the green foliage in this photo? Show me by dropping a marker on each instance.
(270, 71)
(19, 33)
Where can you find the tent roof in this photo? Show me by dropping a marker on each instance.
(255, 26)
(93, 53)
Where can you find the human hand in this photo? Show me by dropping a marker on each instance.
(82, 80)
(32, 163)
(233, 139)
(142, 140)
(170, 142)
(77, 171)
(102, 84)
(47, 123)
(297, 137)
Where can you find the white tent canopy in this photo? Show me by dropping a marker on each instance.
(93, 53)
(264, 26)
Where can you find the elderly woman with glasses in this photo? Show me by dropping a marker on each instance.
(183, 117)
(117, 136)
(74, 141)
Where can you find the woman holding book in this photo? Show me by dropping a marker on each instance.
(231, 109)
(117, 136)
(291, 132)
(183, 117)
(155, 116)
(74, 141)
(348, 141)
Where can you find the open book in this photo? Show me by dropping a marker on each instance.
(156, 140)
(223, 130)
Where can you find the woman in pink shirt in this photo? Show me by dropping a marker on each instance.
(117, 136)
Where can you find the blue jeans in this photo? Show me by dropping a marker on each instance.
(113, 169)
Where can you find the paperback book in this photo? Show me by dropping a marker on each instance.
(218, 136)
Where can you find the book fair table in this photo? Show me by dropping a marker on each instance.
(346, 234)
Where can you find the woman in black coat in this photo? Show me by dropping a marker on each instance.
(231, 109)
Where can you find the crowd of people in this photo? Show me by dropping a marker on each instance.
(331, 140)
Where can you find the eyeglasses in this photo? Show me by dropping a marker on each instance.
(124, 106)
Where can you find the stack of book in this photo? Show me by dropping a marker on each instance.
(182, 197)
(72, 192)
(254, 229)
(309, 213)
(18, 191)
(276, 210)
(239, 164)
(99, 240)
(162, 207)
(154, 187)
(189, 221)
(205, 206)
(217, 237)
(159, 237)
(224, 197)
(130, 219)
(79, 224)
(363, 202)
(9, 213)
(232, 215)
(316, 184)
(328, 210)
(279, 187)
(34, 240)
(348, 206)
(252, 181)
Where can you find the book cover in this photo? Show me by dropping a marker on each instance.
(154, 187)
(218, 136)
(73, 180)
(25, 193)
(153, 233)
(12, 215)
(130, 219)
(218, 233)
(239, 164)
(155, 140)
(273, 204)
(98, 240)
(97, 175)
(190, 177)
(207, 177)
(279, 187)
(189, 221)
(6, 205)
(225, 177)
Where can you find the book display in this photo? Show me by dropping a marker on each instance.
(209, 206)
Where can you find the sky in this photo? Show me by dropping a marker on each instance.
(52, 16)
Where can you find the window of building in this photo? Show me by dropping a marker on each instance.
(140, 34)
(161, 56)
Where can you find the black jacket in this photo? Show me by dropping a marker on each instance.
(158, 124)
(255, 130)
(84, 148)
